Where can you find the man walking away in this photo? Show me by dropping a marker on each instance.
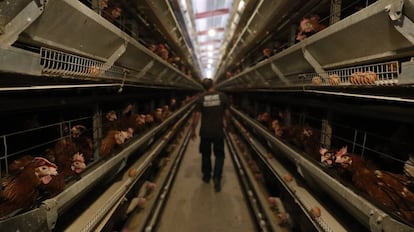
(213, 106)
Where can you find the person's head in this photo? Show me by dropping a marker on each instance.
(207, 83)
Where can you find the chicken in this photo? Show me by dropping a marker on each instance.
(363, 78)
(309, 26)
(370, 78)
(131, 123)
(265, 119)
(175, 60)
(316, 26)
(276, 127)
(112, 139)
(64, 154)
(162, 52)
(18, 165)
(63, 151)
(109, 122)
(70, 169)
(267, 52)
(309, 138)
(149, 120)
(103, 4)
(292, 134)
(354, 78)
(94, 70)
(305, 138)
(82, 141)
(189, 74)
(112, 13)
(158, 115)
(152, 47)
(173, 105)
(385, 189)
(334, 79)
(305, 29)
(229, 75)
(317, 80)
(166, 111)
(21, 191)
(327, 157)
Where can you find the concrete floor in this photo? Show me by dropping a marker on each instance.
(194, 205)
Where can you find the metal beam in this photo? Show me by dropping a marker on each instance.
(212, 13)
(115, 56)
(279, 74)
(19, 23)
(313, 62)
(218, 29)
(213, 41)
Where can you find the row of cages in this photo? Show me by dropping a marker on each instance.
(380, 74)
(59, 63)
(286, 202)
(376, 60)
(374, 162)
(126, 58)
(384, 74)
(38, 163)
(54, 62)
(369, 141)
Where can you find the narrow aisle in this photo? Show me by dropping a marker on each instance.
(194, 205)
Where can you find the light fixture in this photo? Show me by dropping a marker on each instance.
(236, 18)
(212, 32)
(209, 73)
(184, 4)
(210, 47)
(241, 5)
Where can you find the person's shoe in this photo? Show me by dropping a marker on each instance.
(206, 179)
(217, 185)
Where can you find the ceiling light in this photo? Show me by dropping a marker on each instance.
(212, 32)
(236, 18)
(241, 5)
(210, 47)
(209, 73)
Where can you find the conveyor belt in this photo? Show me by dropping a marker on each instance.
(194, 206)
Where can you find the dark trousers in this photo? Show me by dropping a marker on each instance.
(205, 150)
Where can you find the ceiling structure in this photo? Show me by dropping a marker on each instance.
(210, 25)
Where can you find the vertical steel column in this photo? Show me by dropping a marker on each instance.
(287, 116)
(97, 131)
(326, 131)
(335, 14)
(292, 38)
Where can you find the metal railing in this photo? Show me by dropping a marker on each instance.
(20, 142)
(56, 62)
(380, 74)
